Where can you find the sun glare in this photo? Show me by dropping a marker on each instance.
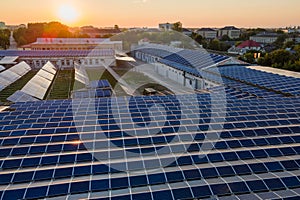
(67, 14)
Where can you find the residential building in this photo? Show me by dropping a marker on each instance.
(264, 38)
(166, 26)
(231, 31)
(187, 32)
(207, 33)
(245, 46)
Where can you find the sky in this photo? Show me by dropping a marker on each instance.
(149, 13)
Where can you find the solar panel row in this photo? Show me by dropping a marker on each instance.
(276, 82)
(12, 74)
(58, 53)
(37, 87)
(87, 148)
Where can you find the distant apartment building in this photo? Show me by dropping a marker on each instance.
(264, 38)
(207, 33)
(231, 31)
(187, 32)
(73, 44)
(166, 26)
(292, 30)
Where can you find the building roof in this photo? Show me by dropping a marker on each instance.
(229, 28)
(186, 30)
(266, 34)
(249, 43)
(71, 41)
(206, 29)
(57, 53)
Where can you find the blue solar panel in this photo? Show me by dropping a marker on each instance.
(57, 53)
(246, 159)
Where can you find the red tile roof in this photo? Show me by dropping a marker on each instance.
(249, 43)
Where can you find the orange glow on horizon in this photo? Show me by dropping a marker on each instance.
(149, 13)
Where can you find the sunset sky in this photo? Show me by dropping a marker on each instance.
(138, 13)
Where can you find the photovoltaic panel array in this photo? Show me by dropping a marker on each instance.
(103, 83)
(182, 59)
(9, 60)
(20, 96)
(81, 75)
(91, 93)
(213, 74)
(37, 87)
(58, 53)
(12, 74)
(151, 147)
(2, 68)
(276, 82)
(203, 64)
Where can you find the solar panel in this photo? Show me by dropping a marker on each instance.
(2, 68)
(38, 85)
(80, 74)
(20, 96)
(48, 151)
(9, 60)
(12, 74)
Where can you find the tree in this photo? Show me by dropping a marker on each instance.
(177, 26)
(214, 45)
(4, 38)
(198, 38)
(280, 57)
(289, 44)
(280, 41)
(225, 38)
(116, 27)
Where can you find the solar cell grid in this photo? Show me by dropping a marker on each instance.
(242, 145)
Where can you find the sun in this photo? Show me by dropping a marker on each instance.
(68, 14)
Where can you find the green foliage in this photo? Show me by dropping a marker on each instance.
(289, 44)
(214, 44)
(225, 38)
(251, 56)
(282, 59)
(177, 26)
(217, 45)
(34, 30)
(198, 38)
(165, 37)
(4, 38)
(250, 32)
(116, 27)
(280, 41)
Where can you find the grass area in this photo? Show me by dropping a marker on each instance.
(62, 85)
(101, 73)
(18, 85)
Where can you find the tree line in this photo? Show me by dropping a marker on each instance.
(50, 30)
(4, 38)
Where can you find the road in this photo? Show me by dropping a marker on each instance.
(13, 44)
